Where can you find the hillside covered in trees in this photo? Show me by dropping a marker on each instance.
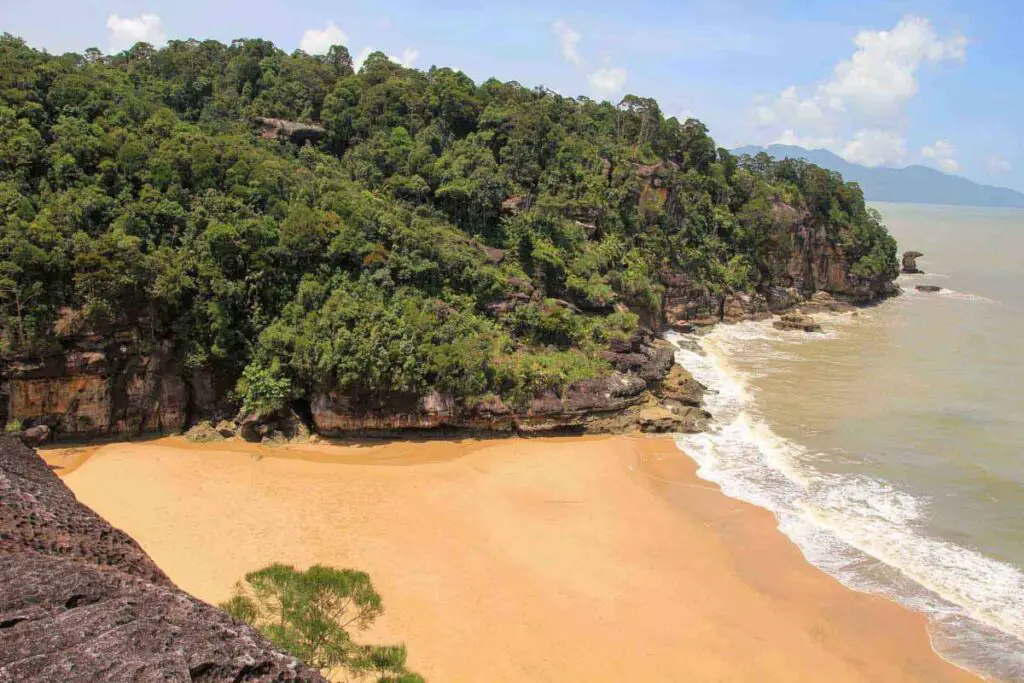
(428, 235)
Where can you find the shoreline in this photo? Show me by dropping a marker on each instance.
(562, 558)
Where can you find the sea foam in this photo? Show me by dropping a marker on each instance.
(864, 531)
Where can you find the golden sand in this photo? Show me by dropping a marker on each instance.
(567, 559)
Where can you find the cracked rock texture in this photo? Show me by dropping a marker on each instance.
(81, 600)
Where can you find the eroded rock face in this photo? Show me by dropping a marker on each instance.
(809, 261)
(615, 403)
(291, 131)
(98, 388)
(81, 601)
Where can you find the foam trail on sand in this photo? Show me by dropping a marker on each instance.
(864, 531)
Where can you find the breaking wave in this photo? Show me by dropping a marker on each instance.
(866, 532)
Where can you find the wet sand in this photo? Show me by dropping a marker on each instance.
(566, 559)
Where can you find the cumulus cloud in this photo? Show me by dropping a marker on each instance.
(998, 165)
(859, 109)
(881, 77)
(569, 38)
(942, 152)
(317, 41)
(790, 137)
(875, 148)
(126, 31)
(608, 81)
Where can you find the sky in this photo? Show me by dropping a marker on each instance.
(880, 82)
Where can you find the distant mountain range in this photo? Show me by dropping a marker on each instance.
(918, 184)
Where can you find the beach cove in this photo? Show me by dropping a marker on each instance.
(595, 558)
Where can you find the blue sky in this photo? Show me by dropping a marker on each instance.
(882, 82)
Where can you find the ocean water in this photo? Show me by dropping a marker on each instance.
(891, 447)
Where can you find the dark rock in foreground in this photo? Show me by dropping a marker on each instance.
(910, 262)
(929, 289)
(81, 601)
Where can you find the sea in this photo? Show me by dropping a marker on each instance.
(890, 447)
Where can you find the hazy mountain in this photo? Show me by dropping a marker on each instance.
(918, 184)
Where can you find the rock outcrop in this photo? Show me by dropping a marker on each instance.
(928, 289)
(644, 392)
(910, 262)
(81, 601)
(794, 321)
(98, 387)
(809, 266)
(290, 131)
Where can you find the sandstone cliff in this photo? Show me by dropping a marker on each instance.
(806, 258)
(97, 387)
(81, 601)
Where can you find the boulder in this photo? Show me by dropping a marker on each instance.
(203, 432)
(928, 289)
(226, 428)
(36, 436)
(794, 321)
(251, 427)
(910, 262)
(681, 387)
(81, 600)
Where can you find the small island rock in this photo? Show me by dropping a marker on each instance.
(910, 262)
(795, 321)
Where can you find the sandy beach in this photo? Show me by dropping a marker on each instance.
(565, 559)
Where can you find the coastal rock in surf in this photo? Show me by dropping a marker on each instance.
(743, 306)
(794, 321)
(680, 386)
(910, 262)
(81, 600)
(823, 302)
(928, 289)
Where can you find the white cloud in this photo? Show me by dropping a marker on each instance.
(317, 41)
(875, 148)
(859, 109)
(998, 165)
(570, 39)
(790, 137)
(126, 31)
(608, 81)
(357, 62)
(942, 153)
(408, 58)
(880, 78)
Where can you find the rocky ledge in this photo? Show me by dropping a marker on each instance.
(81, 601)
(646, 391)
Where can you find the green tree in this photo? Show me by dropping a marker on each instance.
(313, 613)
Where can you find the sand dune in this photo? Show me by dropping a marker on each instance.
(599, 559)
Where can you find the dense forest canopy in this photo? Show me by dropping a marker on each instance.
(442, 235)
